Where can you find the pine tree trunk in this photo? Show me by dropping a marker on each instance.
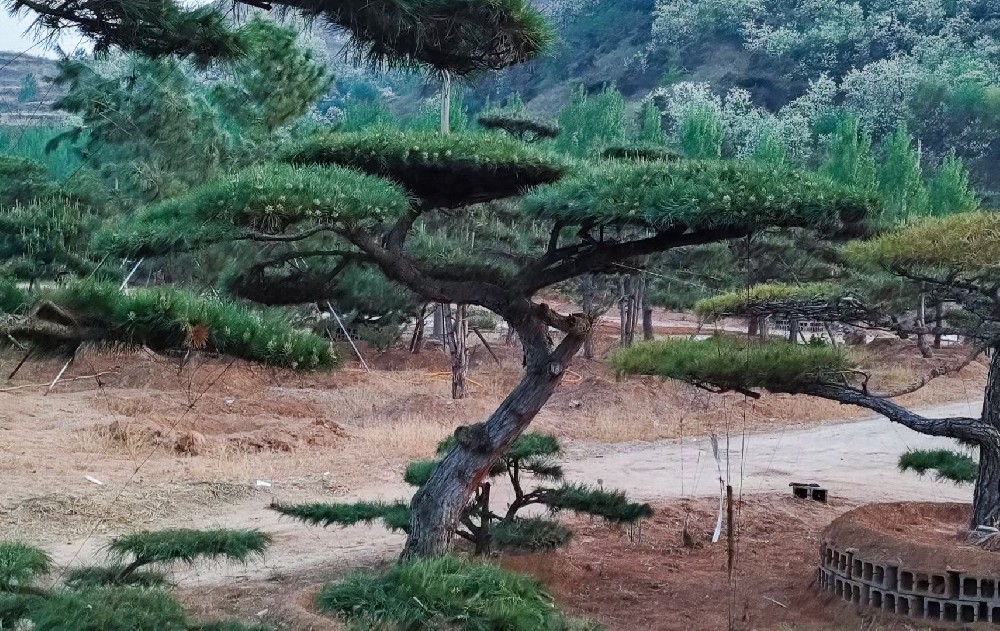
(647, 314)
(793, 330)
(986, 500)
(753, 327)
(938, 317)
(439, 323)
(622, 312)
(437, 506)
(587, 291)
(459, 353)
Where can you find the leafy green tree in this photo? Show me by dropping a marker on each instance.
(900, 178)
(651, 125)
(949, 190)
(531, 455)
(589, 123)
(955, 255)
(850, 159)
(29, 89)
(700, 133)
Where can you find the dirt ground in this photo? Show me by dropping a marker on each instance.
(153, 443)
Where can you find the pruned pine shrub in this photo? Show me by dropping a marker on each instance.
(530, 455)
(169, 319)
(395, 516)
(699, 195)
(119, 596)
(187, 545)
(443, 171)
(446, 593)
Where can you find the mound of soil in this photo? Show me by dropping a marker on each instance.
(923, 536)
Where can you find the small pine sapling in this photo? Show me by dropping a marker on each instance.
(131, 553)
(531, 456)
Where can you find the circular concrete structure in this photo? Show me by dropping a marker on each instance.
(911, 559)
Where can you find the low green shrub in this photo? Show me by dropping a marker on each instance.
(446, 593)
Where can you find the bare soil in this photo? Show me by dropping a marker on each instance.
(153, 443)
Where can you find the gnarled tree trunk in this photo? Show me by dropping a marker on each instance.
(986, 499)
(437, 506)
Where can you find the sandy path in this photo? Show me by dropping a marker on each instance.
(856, 460)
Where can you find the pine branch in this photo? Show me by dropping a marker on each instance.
(960, 427)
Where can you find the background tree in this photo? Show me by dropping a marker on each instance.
(957, 255)
(29, 89)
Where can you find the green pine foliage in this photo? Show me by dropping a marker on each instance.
(20, 564)
(265, 198)
(946, 464)
(118, 596)
(109, 609)
(735, 303)
(443, 171)
(446, 592)
(531, 454)
(725, 363)
(950, 190)
(454, 36)
(611, 505)
(33, 143)
(23, 180)
(417, 473)
(900, 179)
(274, 82)
(98, 576)
(188, 546)
(395, 516)
(519, 126)
(531, 534)
(15, 607)
(168, 319)
(13, 299)
(46, 238)
(145, 125)
(699, 195)
(153, 28)
(639, 152)
(230, 625)
(966, 244)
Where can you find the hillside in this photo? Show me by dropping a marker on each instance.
(14, 68)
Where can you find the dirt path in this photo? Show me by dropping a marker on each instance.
(856, 461)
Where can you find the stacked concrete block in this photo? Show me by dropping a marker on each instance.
(947, 596)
